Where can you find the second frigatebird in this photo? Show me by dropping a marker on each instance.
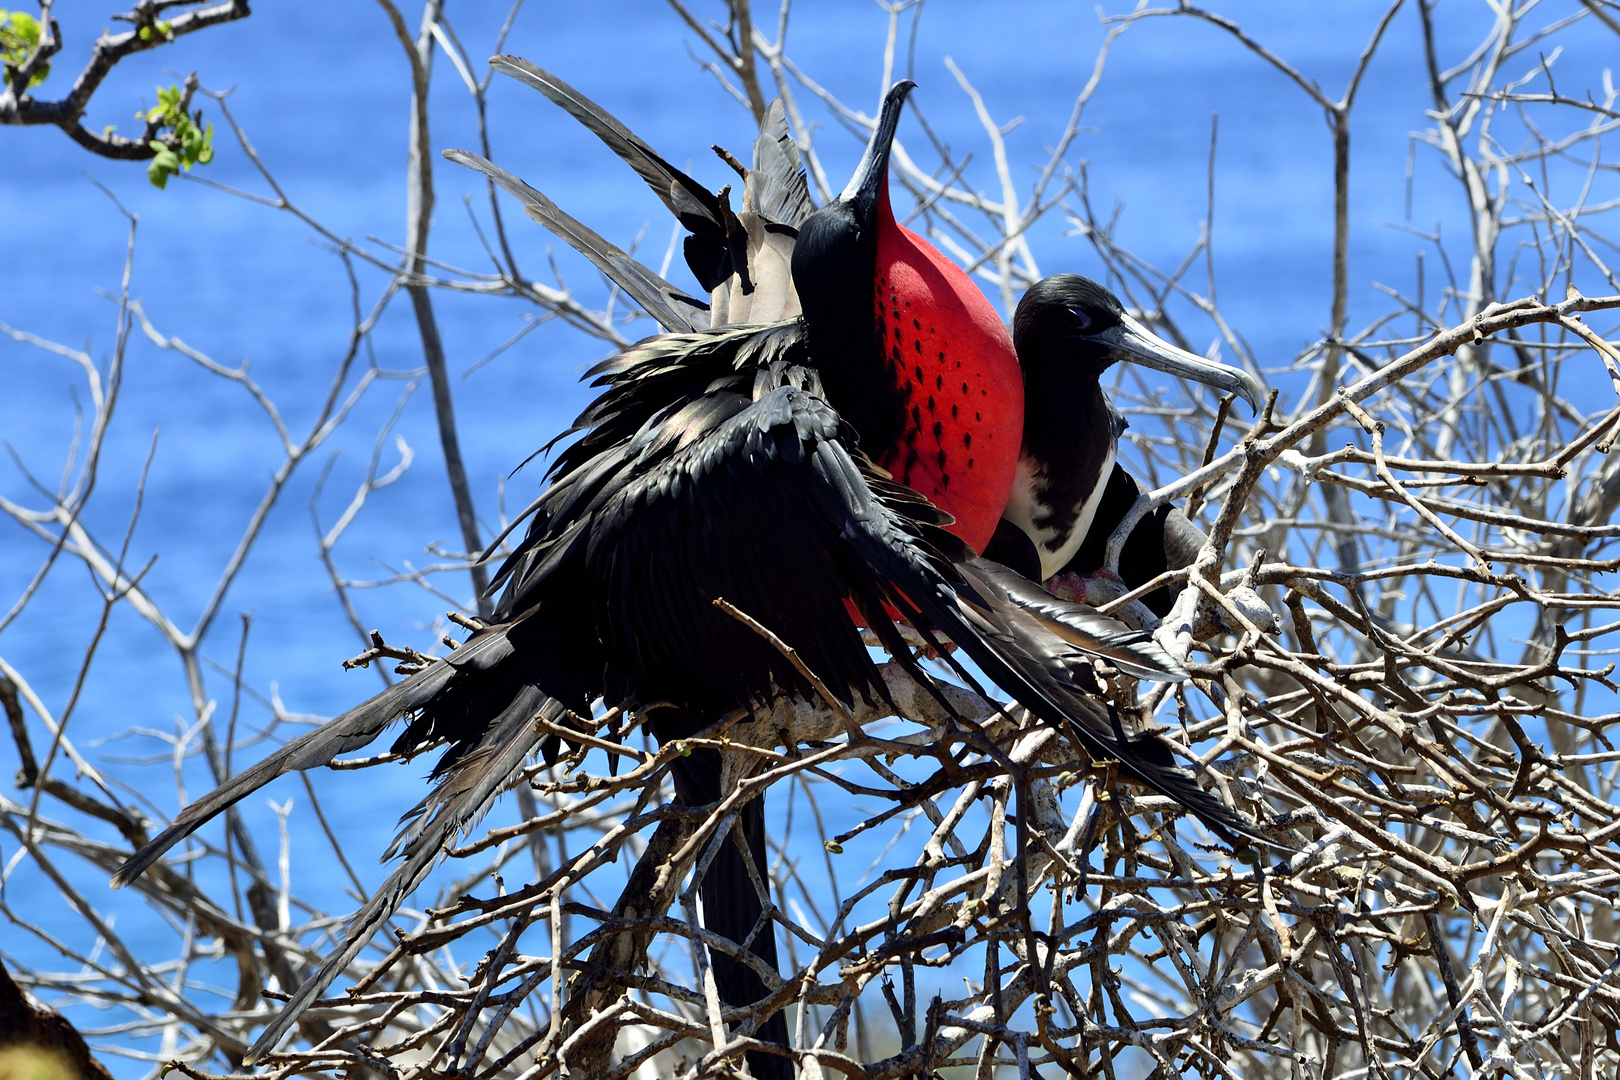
(1070, 490)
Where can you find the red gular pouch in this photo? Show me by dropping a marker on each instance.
(953, 363)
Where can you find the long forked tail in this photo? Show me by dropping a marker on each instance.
(731, 904)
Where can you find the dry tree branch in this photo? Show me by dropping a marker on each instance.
(149, 30)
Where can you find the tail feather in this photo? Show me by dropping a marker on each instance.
(486, 701)
(467, 782)
(675, 311)
(697, 208)
(731, 904)
(357, 935)
(354, 729)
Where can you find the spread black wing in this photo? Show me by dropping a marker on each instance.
(700, 212)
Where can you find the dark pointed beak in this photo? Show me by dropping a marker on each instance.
(1132, 341)
(872, 173)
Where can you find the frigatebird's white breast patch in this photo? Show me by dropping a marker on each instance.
(1031, 511)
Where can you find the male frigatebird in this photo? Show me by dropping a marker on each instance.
(1071, 491)
(714, 466)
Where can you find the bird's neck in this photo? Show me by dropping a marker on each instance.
(833, 269)
(1070, 435)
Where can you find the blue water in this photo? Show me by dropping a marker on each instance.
(321, 92)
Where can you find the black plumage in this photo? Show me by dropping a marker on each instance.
(740, 257)
(699, 210)
(1071, 428)
(1165, 539)
(674, 310)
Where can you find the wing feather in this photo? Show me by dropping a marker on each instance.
(674, 310)
(696, 207)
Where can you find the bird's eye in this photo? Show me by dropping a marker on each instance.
(1077, 319)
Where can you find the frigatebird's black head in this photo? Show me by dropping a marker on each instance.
(1069, 328)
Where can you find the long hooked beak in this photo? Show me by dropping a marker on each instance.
(870, 174)
(1134, 342)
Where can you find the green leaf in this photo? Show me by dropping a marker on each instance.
(19, 38)
(164, 164)
(26, 27)
(188, 142)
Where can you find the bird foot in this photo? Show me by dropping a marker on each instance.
(1102, 586)
(1096, 588)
